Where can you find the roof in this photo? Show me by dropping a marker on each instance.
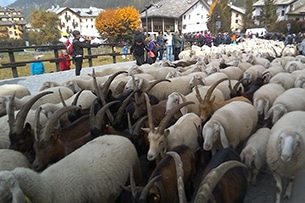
(83, 12)
(238, 9)
(277, 2)
(297, 11)
(171, 8)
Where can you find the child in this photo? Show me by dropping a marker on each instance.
(152, 49)
(37, 67)
(64, 65)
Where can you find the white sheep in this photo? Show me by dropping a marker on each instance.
(93, 173)
(233, 72)
(264, 97)
(11, 159)
(272, 71)
(293, 66)
(299, 76)
(285, 150)
(9, 89)
(253, 72)
(229, 126)
(254, 152)
(291, 100)
(283, 78)
(209, 80)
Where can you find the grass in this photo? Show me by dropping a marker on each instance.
(6, 73)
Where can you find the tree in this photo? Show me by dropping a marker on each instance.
(118, 24)
(44, 27)
(247, 18)
(219, 11)
(268, 15)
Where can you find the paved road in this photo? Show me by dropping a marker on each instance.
(262, 192)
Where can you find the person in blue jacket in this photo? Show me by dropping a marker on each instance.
(37, 67)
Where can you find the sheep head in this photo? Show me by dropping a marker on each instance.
(276, 111)
(157, 135)
(289, 142)
(212, 131)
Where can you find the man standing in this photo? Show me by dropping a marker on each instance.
(169, 45)
(302, 45)
(138, 46)
(160, 42)
(178, 42)
(78, 50)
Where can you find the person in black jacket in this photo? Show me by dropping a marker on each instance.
(138, 46)
(78, 50)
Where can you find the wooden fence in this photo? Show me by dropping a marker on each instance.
(13, 64)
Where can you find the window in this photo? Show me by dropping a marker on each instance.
(283, 13)
(189, 17)
(236, 21)
(236, 15)
(184, 17)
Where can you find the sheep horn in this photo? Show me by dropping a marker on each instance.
(76, 98)
(208, 95)
(180, 174)
(10, 111)
(198, 95)
(37, 126)
(152, 84)
(101, 96)
(21, 115)
(144, 192)
(132, 183)
(136, 127)
(61, 98)
(121, 110)
(149, 113)
(51, 122)
(109, 80)
(169, 116)
(238, 83)
(97, 121)
(211, 180)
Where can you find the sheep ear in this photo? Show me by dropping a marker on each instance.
(17, 194)
(223, 139)
(166, 132)
(145, 130)
(266, 108)
(267, 115)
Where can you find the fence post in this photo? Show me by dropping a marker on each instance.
(90, 59)
(12, 60)
(113, 52)
(56, 56)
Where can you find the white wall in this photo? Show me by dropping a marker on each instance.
(195, 19)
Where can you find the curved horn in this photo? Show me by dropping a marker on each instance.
(198, 95)
(37, 125)
(54, 118)
(20, 117)
(238, 83)
(207, 96)
(10, 111)
(210, 181)
(149, 113)
(144, 192)
(99, 117)
(169, 116)
(120, 112)
(137, 125)
(152, 84)
(61, 98)
(109, 80)
(180, 174)
(76, 98)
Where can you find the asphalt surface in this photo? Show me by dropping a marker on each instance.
(262, 192)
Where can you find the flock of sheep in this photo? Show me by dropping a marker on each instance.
(194, 130)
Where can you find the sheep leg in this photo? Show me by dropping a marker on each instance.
(278, 182)
(254, 174)
(289, 187)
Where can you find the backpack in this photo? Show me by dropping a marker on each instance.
(69, 47)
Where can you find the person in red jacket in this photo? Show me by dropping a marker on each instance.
(64, 65)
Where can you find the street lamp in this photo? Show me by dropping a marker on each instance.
(148, 6)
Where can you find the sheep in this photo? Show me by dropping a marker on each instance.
(209, 80)
(293, 66)
(285, 150)
(92, 173)
(258, 61)
(291, 100)
(283, 78)
(162, 139)
(11, 159)
(9, 89)
(233, 72)
(253, 153)
(264, 97)
(299, 76)
(48, 84)
(230, 124)
(252, 73)
(272, 71)
(232, 186)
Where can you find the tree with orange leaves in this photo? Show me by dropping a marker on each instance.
(118, 24)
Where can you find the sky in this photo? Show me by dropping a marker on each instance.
(4, 3)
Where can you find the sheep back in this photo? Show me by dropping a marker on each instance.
(9, 89)
(92, 173)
